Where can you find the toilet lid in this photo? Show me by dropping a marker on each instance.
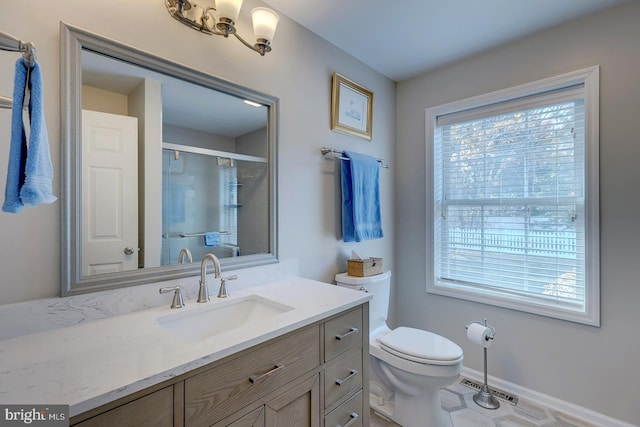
(421, 346)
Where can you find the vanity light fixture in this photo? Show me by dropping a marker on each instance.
(221, 20)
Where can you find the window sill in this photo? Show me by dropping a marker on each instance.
(527, 305)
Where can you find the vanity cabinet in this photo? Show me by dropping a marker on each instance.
(346, 376)
(298, 406)
(295, 405)
(153, 410)
(225, 389)
(311, 377)
(254, 418)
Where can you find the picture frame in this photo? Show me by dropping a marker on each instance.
(351, 108)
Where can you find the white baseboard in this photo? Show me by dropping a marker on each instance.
(568, 408)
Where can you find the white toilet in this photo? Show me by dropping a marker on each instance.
(408, 366)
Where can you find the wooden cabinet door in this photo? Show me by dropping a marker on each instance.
(252, 419)
(297, 407)
(153, 410)
(223, 390)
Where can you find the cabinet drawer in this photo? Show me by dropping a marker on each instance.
(349, 414)
(342, 333)
(220, 391)
(343, 377)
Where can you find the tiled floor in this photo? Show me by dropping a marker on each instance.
(462, 411)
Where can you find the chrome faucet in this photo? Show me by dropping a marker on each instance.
(222, 292)
(184, 252)
(203, 293)
(177, 302)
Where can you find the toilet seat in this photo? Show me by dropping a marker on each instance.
(421, 346)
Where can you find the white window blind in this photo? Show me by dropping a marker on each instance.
(509, 196)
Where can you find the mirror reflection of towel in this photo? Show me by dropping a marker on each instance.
(211, 238)
(360, 198)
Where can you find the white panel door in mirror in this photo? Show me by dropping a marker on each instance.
(109, 193)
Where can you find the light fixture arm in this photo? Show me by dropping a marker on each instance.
(224, 27)
(262, 46)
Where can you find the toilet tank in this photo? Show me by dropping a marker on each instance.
(379, 287)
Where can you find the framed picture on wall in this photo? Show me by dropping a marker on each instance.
(351, 108)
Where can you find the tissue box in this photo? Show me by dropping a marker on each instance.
(364, 267)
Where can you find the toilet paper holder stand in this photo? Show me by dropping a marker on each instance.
(485, 324)
(485, 397)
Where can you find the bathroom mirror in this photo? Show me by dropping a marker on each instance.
(158, 157)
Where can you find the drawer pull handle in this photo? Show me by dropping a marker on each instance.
(351, 332)
(354, 418)
(255, 378)
(352, 374)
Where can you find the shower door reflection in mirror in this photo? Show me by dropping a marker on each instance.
(207, 195)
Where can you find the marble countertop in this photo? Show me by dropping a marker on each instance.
(91, 364)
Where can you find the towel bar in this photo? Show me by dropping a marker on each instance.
(337, 154)
(5, 102)
(13, 44)
(169, 235)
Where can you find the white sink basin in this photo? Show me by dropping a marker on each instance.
(221, 316)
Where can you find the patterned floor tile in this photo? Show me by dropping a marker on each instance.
(513, 421)
(530, 411)
(469, 418)
(564, 420)
(504, 409)
(452, 401)
(378, 420)
(462, 411)
(460, 388)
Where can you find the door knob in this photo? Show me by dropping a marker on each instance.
(128, 250)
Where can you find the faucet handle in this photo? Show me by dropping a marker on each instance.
(177, 302)
(222, 293)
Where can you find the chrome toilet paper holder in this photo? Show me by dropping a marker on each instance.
(485, 397)
(485, 324)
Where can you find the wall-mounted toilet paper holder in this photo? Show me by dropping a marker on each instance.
(485, 397)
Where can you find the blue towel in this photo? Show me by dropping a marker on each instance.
(211, 238)
(18, 148)
(360, 198)
(37, 186)
(30, 173)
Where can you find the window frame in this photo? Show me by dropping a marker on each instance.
(589, 77)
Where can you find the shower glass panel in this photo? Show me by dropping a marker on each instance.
(202, 205)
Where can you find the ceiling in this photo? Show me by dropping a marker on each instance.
(405, 38)
(184, 105)
(400, 43)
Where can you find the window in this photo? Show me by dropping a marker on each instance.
(513, 203)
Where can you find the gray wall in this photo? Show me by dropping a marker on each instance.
(298, 71)
(593, 367)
